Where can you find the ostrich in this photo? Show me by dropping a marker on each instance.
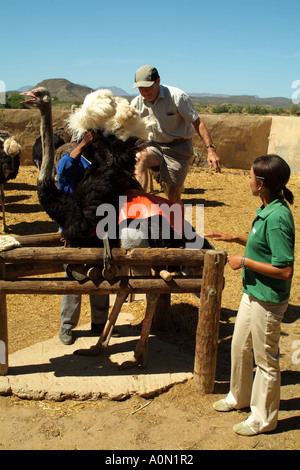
(10, 152)
(63, 143)
(76, 212)
(37, 149)
(111, 175)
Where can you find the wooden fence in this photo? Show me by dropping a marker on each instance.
(19, 265)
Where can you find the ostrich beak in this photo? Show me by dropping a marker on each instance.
(30, 100)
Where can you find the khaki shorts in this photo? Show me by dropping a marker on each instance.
(174, 159)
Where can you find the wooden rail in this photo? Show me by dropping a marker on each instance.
(122, 285)
(29, 260)
(119, 256)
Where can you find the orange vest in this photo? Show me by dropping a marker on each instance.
(141, 205)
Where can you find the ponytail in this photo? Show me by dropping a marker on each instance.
(288, 195)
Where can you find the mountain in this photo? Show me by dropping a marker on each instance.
(24, 88)
(65, 90)
(212, 95)
(242, 100)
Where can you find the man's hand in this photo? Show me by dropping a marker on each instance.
(213, 160)
(212, 157)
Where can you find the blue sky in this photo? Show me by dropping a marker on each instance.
(215, 46)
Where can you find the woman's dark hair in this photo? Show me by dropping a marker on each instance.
(275, 173)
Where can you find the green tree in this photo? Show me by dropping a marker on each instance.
(256, 110)
(237, 109)
(223, 108)
(14, 101)
(295, 110)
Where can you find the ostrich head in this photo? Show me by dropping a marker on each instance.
(40, 98)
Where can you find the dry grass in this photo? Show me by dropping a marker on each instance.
(229, 207)
(73, 425)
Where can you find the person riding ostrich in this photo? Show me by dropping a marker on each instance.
(110, 176)
(10, 152)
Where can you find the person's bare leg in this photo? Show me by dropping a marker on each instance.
(174, 193)
(144, 161)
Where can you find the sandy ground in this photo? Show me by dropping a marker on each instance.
(180, 419)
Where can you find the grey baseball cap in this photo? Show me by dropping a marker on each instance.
(145, 76)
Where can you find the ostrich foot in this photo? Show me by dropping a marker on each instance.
(93, 351)
(140, 362)
(140, 357)
(107, 331)
(129, 364)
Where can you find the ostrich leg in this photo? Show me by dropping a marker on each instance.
(140, 355)
(2, 199)
(107, 330)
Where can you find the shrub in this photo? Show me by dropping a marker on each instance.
(14, 101)
(295, 110)
(223, 108)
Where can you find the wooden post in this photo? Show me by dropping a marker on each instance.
(208, 322)
(162, 315)
(3, 329)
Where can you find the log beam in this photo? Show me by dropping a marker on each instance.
(135, 257)
(40, 239)
(122, 285)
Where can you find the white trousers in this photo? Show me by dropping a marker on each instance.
(256, 336)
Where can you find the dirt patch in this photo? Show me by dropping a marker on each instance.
(181, 418)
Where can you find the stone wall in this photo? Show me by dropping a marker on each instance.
(239, 138)
(24, 125)
(284, 140)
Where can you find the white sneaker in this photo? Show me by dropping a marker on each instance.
(222, 405)
(244, 429)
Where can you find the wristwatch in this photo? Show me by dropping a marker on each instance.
(211, 146)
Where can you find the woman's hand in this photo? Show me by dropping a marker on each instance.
(227, 237)
(234, 261)
(284, 273)
(224, 237)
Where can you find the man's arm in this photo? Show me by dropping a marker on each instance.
(212, 157)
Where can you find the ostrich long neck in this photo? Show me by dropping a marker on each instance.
(47, 143)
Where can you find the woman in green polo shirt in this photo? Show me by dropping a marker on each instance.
(267, 274)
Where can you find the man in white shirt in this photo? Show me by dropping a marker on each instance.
(175, 120)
